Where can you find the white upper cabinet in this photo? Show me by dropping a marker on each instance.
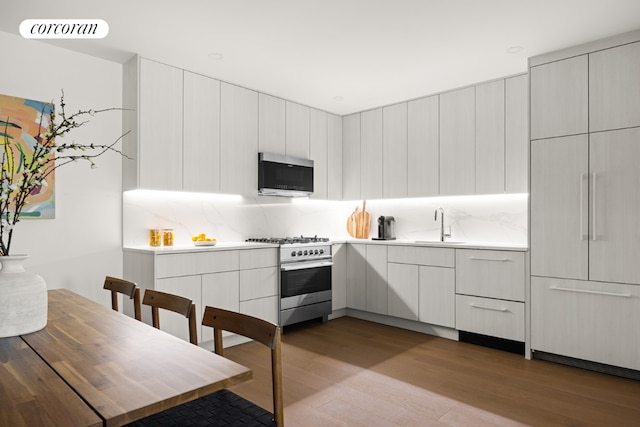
(559, 103)
(271, 124)
(297, 130)
(318, 151)
(517, 134)
(371, 154)
(423, 163)
(334, 157)
(160, 127)
(614, 88)
(238, 140)
(457, 142)
(394, 151)
(490, 148)
(201, 134)
(447, 144)
(351, 157)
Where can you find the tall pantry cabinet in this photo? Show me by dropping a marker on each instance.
(584, 201)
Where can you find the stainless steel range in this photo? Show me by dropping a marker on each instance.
(305, 278)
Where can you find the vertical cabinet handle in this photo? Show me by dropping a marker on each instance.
(584, 232)
(593, 207)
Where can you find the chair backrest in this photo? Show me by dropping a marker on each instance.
(175, 303)
(124, 287)
(259, 330)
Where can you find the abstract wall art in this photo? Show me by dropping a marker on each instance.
(22, 121)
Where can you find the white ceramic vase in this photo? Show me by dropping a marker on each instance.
(23, 298)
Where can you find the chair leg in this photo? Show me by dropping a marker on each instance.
(276, 371)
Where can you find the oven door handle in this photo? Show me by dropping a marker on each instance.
(305, 265)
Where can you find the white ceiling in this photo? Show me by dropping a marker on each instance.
(368, 52)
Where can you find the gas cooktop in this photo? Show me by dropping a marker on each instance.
(289, 240)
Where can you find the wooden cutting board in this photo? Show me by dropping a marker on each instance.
(359, 222)
(352, 223)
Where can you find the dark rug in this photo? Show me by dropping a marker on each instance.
(223, 408)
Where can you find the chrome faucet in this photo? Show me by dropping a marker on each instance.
(442, 233)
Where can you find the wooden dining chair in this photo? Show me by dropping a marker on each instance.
(225, 408)
(125, 287)
(176, 303)
(259, 330)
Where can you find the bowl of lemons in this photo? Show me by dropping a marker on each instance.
(202, 240)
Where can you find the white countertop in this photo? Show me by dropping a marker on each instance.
(220, 246)
(256, 245)
(451, 244)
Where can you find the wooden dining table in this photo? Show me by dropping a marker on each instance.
(92, 366)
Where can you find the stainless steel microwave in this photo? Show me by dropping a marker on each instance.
(287, 176)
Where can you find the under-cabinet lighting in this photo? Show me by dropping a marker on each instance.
(155, 195)
(486, 198)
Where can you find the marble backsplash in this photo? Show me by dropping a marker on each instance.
(492, 219)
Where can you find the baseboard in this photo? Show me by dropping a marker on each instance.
(411, 325)
(511, 346)
(587, 364)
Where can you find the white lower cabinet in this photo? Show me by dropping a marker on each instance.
(587, 320)
(488, 316)
(421, 284)
(480, 291)
(437, 295)
(357, 276)
(377, 279)
(259, 293)
(490, 293)
(220, 290)
(339, 276)
(258, 283)
(491, 274)
(173, 323)
(243, 280)
(403, 290)
(264, 308)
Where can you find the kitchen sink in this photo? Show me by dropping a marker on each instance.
(437, 242)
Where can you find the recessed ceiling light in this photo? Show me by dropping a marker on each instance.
(515, 49)
(338, 98)
(215, 56)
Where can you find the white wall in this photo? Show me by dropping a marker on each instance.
(84, 242)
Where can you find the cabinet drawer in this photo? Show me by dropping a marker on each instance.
(594, 321)
(191, 263)
(263, 308)
(492, 274)
(438, 257)
(496, 318)
(258, 283)
(258, 258)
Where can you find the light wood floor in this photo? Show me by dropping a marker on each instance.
(349, 372)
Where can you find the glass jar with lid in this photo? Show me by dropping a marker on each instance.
(167, 236)
(155, 237)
